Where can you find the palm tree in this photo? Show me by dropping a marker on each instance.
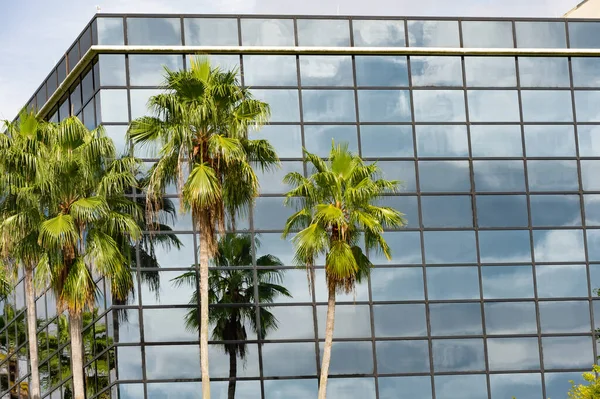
(89, 226)
(23, 166)
(201, 124)
(229, 285)
(336, 206)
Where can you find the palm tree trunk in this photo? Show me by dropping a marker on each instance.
(75, 330)
(232, 374)
(34, 384)
(204, 258)
(328, 343)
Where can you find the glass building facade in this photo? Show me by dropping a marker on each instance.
(493, 126)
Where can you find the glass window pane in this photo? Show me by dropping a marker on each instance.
(110, 31)
(442, 141)
(409, 387)
(225, 62)
(433, 34)
(328, 106)
(381, 71)
(567, 352)
(447, 211)
(139, 101)
(130, 362)
(295, 389)
(386, 141)
(487, 34)
(541, 34)
(552, 175)
(444, 283)
(173, 361)
(405, 247)
(149, 69)
(524, 354)
(292, 324)
(584, 34)
(453, 387)
(378, 33)
(511, 317)
(546, 106)
(318, 139)
(585, 71)
(153, 31)
(507, 282)
(585, 106)
(593, 241)
(267, 32)
(326, 70)
(284, 104)
(269, 212)
(112, 69)
(592, 209)
(118, 135)
(499, 176)
(504, 246)
(450, 247)
(521, 385)
(439, 105)
(555, 210)
(344, 388)
(276, 359)
(544, 72)
(556, 281)
(496, 141)
(397, 284)
(490, 72)
(210, 31)
(457, 355)
(271, 181)
(502, 211)
(351, 321)
(589, 140)
(559, 383)
(351, 358)
(444, 176)
(155, 321)
(400, 320)
(565, 317)
(314, 32)
(405, 204)
(286, 139)
(384, 106)
(113, 104)
(558, 246)
(589, 175)
(493, 106)
(87, 86)
(402, 357)
(549, 141)
(270, 70)
(436, 71)
(89, 115)
(400, 170)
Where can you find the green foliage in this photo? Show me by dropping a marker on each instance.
(591, 390)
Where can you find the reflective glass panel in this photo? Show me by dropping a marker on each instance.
(453, 386)
(507, 282)
(445, 283)
(592, 209)
(130, 362)
(153, 31)
(450, 247)
(173, 361)
(267, 32)
(378, 33)
(436, 71)
(549, 141)
(511, 317)
(381, 71)
(504, 246)
(558, 245)
(405, 204)
(286, 139)
(400, 320)
(271, 181)
(442, 141)
(444, 176)
(351, 321)
(351, 358)
(386, 141)
(555, 281)
(131, 391)
(439, 105)
(589, 140)
(496, 141)
(117, 134)
(447, 211)
(455, 319)
(521, 385)
(593, 241)
(493, 106)
(139, 101)
(585, 71)
(327, 70)
(558, 383)
(487, 34)
(295, 389)
(318, 139)
(490, 72)
(405, 247)
(502, 211)
(584, 34)
(400, 170)
(270, 70)
(223, 61)
(113, 104)
(171, 257)
(276, 359)
(555, 210)
(210, 31)
(328, 105)
(89, 117)
(292, 322)
(565, 317)
(342, 388)
(541, 34)
(269, 212)
(384, 105)
(273, 244)
(167, 325)
(458, 355)
(112, 69)
(402, 357)
(185, 390)
(315, 32)
(589, 175)
(552, 175)
(544, 72)
(546, 106)
(567, 352)
(149, 69)
(499, 176)
(360, 294)
(433, 34)
(408, 387)
(513, 354)
(397, 284)
(284, 104)
(110, 31)
(585, 106)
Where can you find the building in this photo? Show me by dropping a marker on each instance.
(585, 9)
(492, 125)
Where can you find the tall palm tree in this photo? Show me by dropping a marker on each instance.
(201, 123)
(89, 226)
(23, 171)
(336, 206)
(229, 285)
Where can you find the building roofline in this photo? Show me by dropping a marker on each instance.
(572, 10)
